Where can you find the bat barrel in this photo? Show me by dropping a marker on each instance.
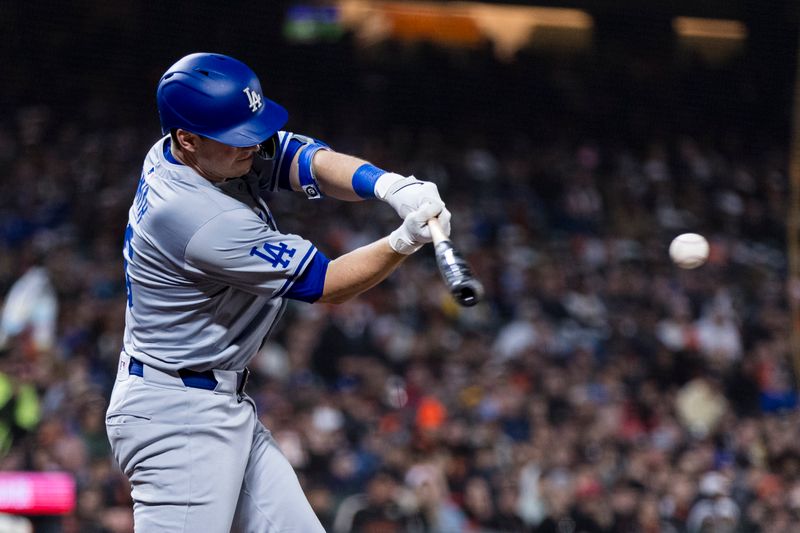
(457, 275)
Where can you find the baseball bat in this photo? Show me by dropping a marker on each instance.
(458, 278)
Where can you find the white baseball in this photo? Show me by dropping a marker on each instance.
(689, 250)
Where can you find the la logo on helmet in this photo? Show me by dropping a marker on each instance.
(253, 98)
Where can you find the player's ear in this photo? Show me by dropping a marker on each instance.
(185, 140)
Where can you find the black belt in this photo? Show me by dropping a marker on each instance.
(198, 380)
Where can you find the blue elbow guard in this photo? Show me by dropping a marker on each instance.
(307, 180)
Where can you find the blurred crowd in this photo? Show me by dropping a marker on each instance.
(598, 388)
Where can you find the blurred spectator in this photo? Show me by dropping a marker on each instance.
(382, 512)
(701, 405)
(439, 510)
(30, 308)
(20, 405)
(715, 511)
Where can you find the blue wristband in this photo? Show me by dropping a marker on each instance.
(364, 179)
(307, 181)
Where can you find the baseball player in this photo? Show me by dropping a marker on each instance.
(208, 274)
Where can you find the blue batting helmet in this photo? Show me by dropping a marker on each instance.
(219, 97)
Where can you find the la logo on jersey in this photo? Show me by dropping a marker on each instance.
(254, 98)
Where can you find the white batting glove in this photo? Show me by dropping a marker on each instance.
(406, 194)
(414, 232)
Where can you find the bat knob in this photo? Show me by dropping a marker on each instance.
(468, 294)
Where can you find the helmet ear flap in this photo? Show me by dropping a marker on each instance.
(264, 161)
(268, 148)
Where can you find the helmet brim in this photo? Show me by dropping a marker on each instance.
(260, 127)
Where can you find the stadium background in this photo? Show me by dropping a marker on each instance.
(597, 389)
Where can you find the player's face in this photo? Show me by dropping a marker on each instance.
(218, 161)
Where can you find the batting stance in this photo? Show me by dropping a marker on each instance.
(208, 274)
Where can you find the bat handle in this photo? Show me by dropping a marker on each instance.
(437, 233)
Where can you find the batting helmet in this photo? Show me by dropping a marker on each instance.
(219, 97)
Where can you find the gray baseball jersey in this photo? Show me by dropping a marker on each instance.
(207, 271)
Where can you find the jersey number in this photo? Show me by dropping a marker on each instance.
(127, 254)
(274, 254)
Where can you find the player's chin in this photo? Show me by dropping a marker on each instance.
(242, 166)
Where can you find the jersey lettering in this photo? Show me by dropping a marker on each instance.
(274, 254)
(127, 254)
(140, 202)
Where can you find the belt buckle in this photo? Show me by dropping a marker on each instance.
(243, 382)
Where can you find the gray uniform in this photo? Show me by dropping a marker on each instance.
(207, 273)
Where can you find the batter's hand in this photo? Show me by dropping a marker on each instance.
(407, 194)
(414, 232)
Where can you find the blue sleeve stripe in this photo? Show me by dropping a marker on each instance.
(298, 270)
(308, 287)
(286, 137)
(286, 164)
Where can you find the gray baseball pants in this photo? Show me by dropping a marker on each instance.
(199, 460)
